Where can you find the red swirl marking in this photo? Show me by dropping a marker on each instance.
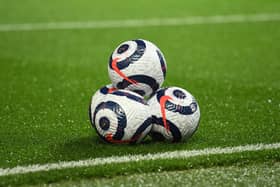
(110, 90)
(162, 102)
(109, 138)
(116, 69)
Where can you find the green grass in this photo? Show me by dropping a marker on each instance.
(71, 10)
(48, 77)
(257, 174)
(112, 170)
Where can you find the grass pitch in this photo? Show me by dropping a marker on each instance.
(258, 174)
(47, 78)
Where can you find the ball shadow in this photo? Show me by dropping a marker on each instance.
(91, 146)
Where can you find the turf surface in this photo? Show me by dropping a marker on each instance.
(259, 174)
(48, 77)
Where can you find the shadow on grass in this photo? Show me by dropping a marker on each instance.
(92, 147)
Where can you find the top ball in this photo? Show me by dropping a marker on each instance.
(137, 65)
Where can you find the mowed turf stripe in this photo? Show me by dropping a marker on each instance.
(135, 158)
(218, 19)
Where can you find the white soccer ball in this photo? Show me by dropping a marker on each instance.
(137, 65)
(120, 116)
(175, 113)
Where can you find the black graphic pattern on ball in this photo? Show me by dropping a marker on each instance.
(162, 63)
(185, 110)
(123, 48)
(138, 53)
(130, 96)
(120, 115)
(90, 115)
(148, 122)
(179, 94)
(176, 134)
(104, 123)
(140, 79)
(105, 90)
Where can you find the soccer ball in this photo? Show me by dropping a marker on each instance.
(120, 116)
(137, 65)
(175, 113)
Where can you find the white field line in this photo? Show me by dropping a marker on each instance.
(193, 20)
(135, 158)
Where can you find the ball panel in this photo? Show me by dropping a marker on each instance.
(142, 130)
(172, 134)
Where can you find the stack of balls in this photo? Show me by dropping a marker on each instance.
(134, 105)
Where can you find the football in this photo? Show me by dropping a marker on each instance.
(137, 65)
(120, 116)
(175, 114)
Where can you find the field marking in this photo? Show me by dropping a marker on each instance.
(135, 158)
(192, 20)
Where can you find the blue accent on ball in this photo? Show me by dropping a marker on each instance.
(130, 96)
(185, 110)
(140, 92)
(162, 63)
(104, 123)
(140, 79)
(104, 90)
(160, 93)
(120, 114)
(179, 94)
(176, 134)
(123, 48)
(138, 53)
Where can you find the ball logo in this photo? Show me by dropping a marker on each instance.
(163, 101)
(104, 123)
